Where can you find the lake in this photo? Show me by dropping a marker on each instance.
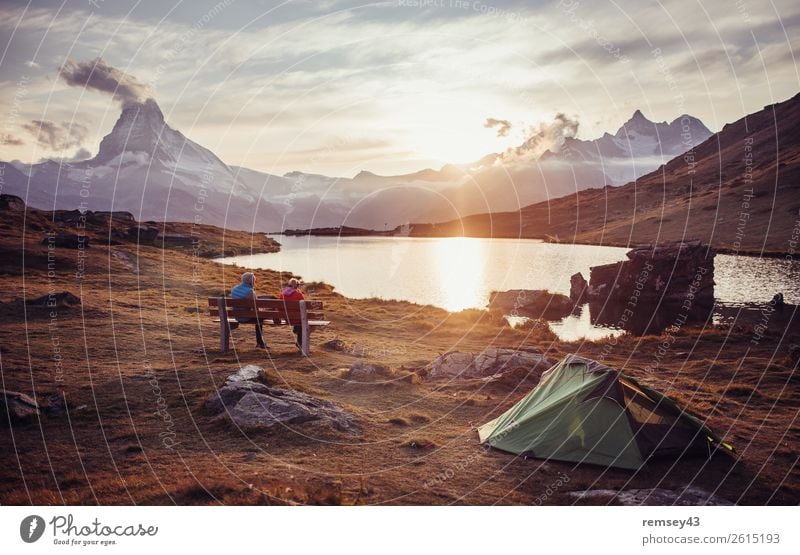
(456, 273)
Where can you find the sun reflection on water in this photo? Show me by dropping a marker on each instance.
(460, 264)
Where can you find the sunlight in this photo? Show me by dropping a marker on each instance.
(460, 265)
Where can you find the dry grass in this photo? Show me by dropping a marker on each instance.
(122, 340)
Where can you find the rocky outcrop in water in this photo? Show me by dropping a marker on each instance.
(534, 303)
(662, 285)
(669, 272)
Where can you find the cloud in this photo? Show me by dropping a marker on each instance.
(80, 155)
(543, 137)
(98, 75)
(503, 126)
(56, 136)
(7, 139)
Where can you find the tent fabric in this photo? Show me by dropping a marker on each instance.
(585, 412)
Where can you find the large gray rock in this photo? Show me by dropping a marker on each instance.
(248, 373)
(17, 407)
(251, 405)
(490, 362)
(668, 272)
(578, 288)
(536, 303)
(228, 395)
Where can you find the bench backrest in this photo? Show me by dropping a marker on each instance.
(265, 309)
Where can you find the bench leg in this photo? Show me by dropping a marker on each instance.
(224, 336)
(224, 327)
(305, 340)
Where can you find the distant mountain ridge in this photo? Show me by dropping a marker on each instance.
(738, 191)
(146, 167)
(638, 147)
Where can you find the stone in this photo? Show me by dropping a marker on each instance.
(259, 411)
(247, 373)
(226, 397)
(12, 203)
(248, 404)
(689, 496)
(361, 369)
(661, 285)
(130, 261)
(142, 234)
(671, 272)
(64, 299)
(55, 404)
(578, 287)
(105, 217)
(334, 345)
(174, 240)
(71, 217)
(17, 407)
(536, 303)
(488, 363)
(66, 240)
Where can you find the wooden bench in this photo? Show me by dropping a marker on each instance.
(273, 312)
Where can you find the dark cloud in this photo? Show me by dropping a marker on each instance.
(80, 155)
(503, 126)
(56, 136)
(543, 137)
(7, 139)
(98, 75)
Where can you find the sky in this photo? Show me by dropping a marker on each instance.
(335, 87)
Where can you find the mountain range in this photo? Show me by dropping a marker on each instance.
(739, 191)
(146, 167)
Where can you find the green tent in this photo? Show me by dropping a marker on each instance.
(583, 411)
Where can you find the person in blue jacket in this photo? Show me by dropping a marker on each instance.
(246, 290)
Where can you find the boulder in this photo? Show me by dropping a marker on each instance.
(12, 203)
(66, 240)
(104, 217)
(174, 240)
(16, 407)
(362, 369)
(249, 404)
(142, 234)
(665, 273)
(334, 345)
(65, 299)
(536, 303)
(578, 288)
(70, 217)
(249, 373)
(55, 404)
(227, 396)
(488, 363)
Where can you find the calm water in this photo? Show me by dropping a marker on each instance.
(458, 272)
